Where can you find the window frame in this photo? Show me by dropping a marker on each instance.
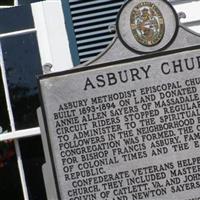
(44, 42)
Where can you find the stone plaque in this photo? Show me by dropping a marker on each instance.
(129, 128)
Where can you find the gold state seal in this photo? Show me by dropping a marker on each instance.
(147, 24)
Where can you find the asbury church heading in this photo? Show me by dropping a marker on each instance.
(141, 72)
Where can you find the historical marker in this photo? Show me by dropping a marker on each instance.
(126, 126)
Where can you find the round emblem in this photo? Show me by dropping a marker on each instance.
(147, 24)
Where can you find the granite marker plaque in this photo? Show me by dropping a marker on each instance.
(126, 126)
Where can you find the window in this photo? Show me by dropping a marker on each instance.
(19, 160)
(21, 60)
(21, 77)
